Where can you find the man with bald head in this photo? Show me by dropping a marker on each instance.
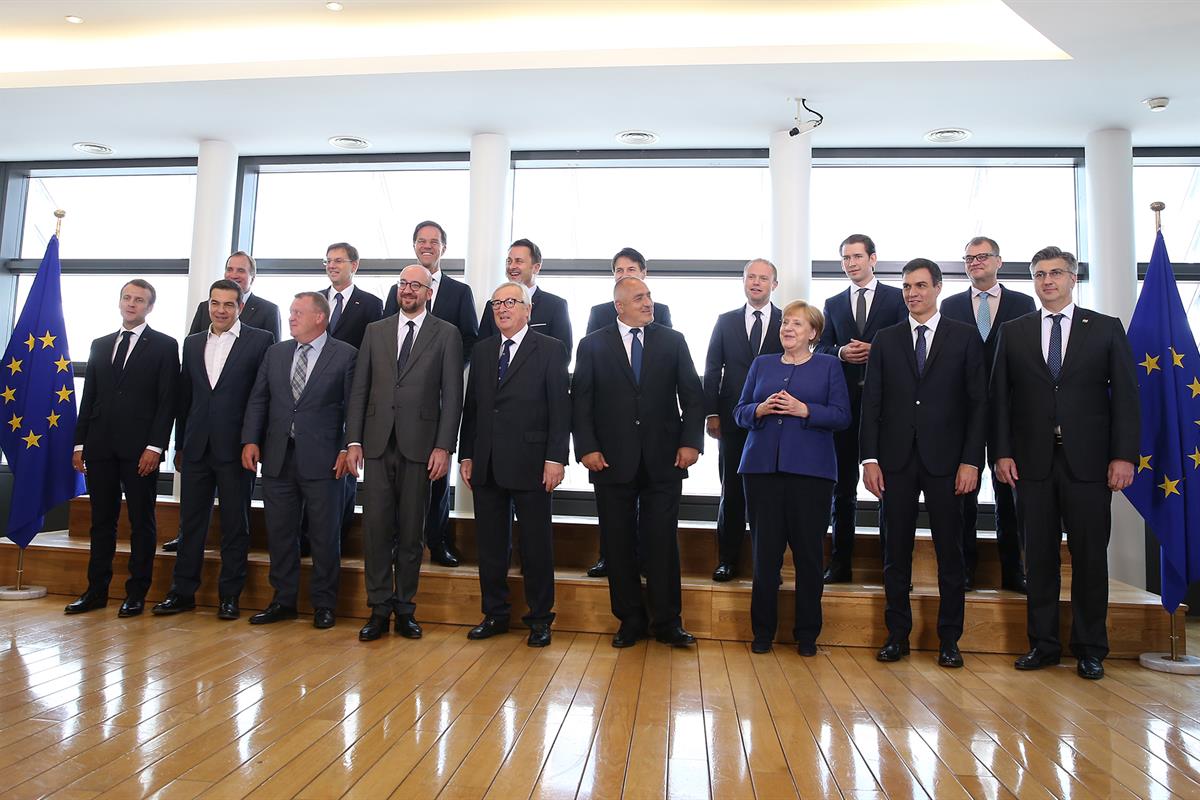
(638, 423)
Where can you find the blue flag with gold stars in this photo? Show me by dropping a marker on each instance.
(1166, 485)
(37, 406)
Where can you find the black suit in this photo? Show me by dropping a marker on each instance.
(639, 428)
(510, 429)
(725, 370)
(548, 316)
(920, 426)
(887, 309)
(121, 414)
(1094, 404)
(359, 310)
(258, 312)
(604, 314)
(208, 439)
(1008, 530)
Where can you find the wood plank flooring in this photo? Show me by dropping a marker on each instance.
(190, 707)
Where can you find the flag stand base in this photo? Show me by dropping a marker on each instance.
(1162, 662)
(24, 593)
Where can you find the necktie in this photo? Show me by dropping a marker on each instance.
(1054, 357)
(756, 334)
(406, 348)
(337, 311)
(300, 371)
(984, 320)
(122, 353)
(860, 311)
(635, 354)
(504, 359)
(921, 349)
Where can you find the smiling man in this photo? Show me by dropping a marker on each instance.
(548, 314)
(257, 312)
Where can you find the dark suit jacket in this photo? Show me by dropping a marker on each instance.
(453, 304)
(1095, 401)
(942, 414)
(319, 416)
(258, 313)
(632, 423)
(524, 421)
(120, 419)
(212, 416)
(1012, 304)
(729, 357)
(603, 314)
(886, 309)
(358, 311)
(549, 316)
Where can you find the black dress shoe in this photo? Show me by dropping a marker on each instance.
(628, 637)
(724, 572)
(323, 618)
(806, 649)
(836, 574)
(443, 556)
(86, 602)
(273, 613)
(376, 626)
(491, 626)
(1090, 667)
(968, 582)
(131, 608)
(892, 651)
(599, 569)
(676, 637)
(1015, 584)
(228, 608)
(171, 546)
(1035, 659)
(305, 547)
(407, 627)
(539, 634)
(760, 647)
(173, 603)
(949, 656)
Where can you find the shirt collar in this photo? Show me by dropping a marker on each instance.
(1068, 312)
(992, 292)
(930, 323)
(137, 332)
(419, 319)
(871, 287)
(332, 293)
(318, 342)
(517, 337)
(235, 329)
(625, 329)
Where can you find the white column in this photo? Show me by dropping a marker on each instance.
(791, 178)
(212, 220)
(1112, 273)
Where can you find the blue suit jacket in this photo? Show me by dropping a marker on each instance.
(729, 358)
(887, 309)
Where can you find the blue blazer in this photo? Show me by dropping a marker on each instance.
(887, 309)
(778, 443)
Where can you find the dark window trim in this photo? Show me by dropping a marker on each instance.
(102, 266)
(368, 266)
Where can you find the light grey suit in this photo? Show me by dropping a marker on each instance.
(399, 420)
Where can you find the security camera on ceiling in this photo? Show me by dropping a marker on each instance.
(802, 125)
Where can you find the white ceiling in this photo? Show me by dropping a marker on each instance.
(715, 96)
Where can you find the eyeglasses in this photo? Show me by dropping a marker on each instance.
(416, 286)
(1054, 274)
(978, 258)
(337, 262)
(507, 302)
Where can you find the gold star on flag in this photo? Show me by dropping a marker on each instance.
(9, 394)
(1168, 487)
(1176, 358)
(1144, 462)
(1195, 387)
(47, 340)
(15, 422)
(29, 342)
(1151, 363)
(63, 364)
(64, 394)
(14, 367)
(53, 419)
(31, 440)
(1195, 457)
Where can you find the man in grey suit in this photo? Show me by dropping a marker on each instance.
(295, 423)
(404, 412)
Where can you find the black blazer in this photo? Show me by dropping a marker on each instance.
(359, 310)
(632, 423)
(454, 304)
(548, 316)
(603, 314)
(1013, 304)
(1095, 401)
(887, 309)
(728, 360)
(258, 313)
(517, 425)
(212, 416)
(120, 419)
(942, 414)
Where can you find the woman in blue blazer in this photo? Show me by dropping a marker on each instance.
(791, 404)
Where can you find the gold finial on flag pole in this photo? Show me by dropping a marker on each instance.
(58, 214)
(1157, 207)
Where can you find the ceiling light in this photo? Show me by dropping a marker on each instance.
(93, 148)
(637, 138)
(1157, 103)
(333, 6)
(947, 135)
(349, 142)
(74, 19)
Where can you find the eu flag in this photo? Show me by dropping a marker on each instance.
(38, 414)
(1166, 486)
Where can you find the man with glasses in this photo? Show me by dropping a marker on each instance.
(548, 312)
(986, 306)
(405, 407)
(1066, 410)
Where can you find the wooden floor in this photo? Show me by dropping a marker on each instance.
(188, 706)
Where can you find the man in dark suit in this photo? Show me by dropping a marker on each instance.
(257, 312)
(449, 300)
(739, 337)
(987, 305)
(924, 423)
(405, 407)
(219, 367)
(852, 318)
(124, 426)
(295, 424)
(1068, 423)
(516, 427)
(639, 424)
(549, 315)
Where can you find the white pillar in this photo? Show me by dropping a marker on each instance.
(791, 178)
(1112, 278)
(212, 220)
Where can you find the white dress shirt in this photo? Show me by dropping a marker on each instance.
(993, 301)
(749, 319)
(931, 324)
(133, 340)
(216, 350)
(516, 338)
(402, 330)
(627, 339)
(317, 344)
(1048, 325)
(435, 280)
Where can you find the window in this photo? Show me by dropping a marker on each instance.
(1179, 188)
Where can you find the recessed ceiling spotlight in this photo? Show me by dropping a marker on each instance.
(74, 19)
(1157, 103)
(947, 135)
(349, 142)
(637, 138)
(333, 6)
(93, 148)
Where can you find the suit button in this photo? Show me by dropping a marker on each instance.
(780, 422)
(637, 422)
(918, 402)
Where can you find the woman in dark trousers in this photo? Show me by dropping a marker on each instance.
(791, 404)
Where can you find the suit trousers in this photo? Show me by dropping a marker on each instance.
(901, 491)
(652, 507)
(493, 537)
(1008, 529)
(437, 520)
(200, 481)
(845, 491)
(285, 498)
(787, 511)
(395, 504)
(731, 513)
(106, 478)
(1084, 509)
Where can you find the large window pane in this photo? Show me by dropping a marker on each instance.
(1179, 188)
